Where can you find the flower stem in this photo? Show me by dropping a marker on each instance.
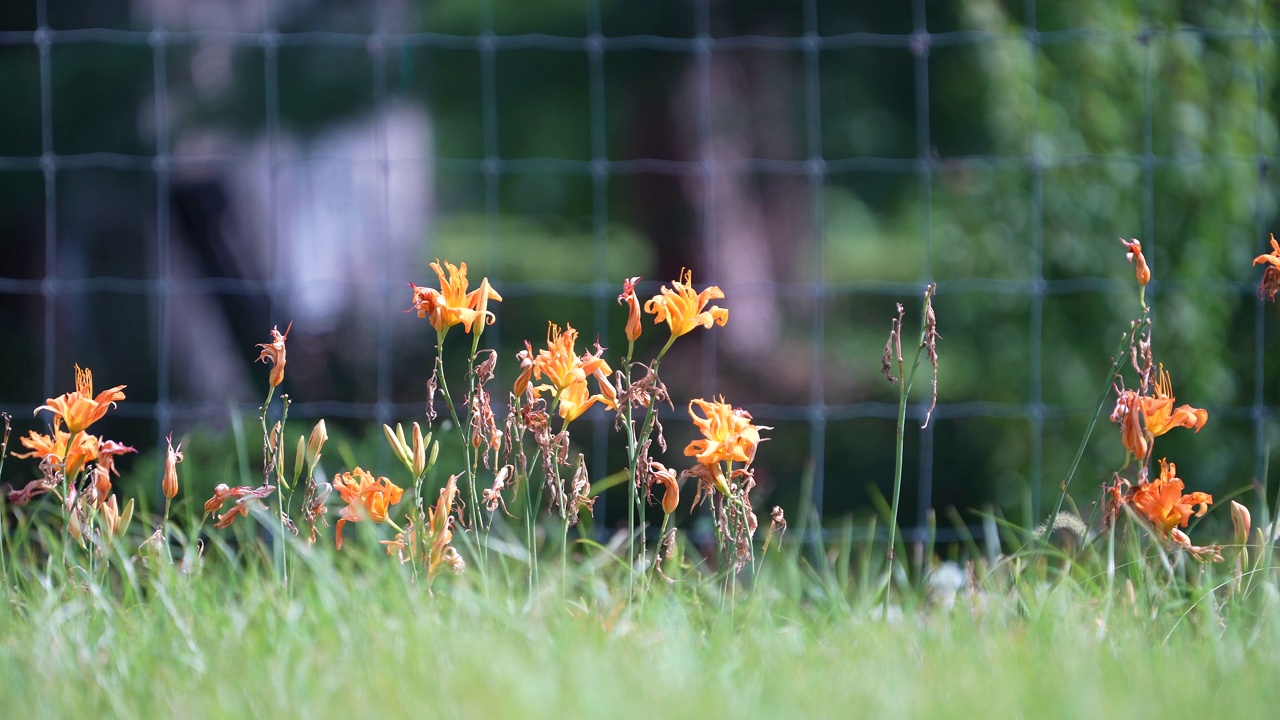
(904, 391)
(634, 442)
(466, 445)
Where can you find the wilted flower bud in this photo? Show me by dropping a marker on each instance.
(628, 298)
(1139, 263)
(170, 483)
(671, 493)
(275, 352)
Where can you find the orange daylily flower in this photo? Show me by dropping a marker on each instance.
(1157, 413)
(728, 435)
(452, 304)
(169, 485)
(1270, 284)
(683, 309)
(73, 459)
(274, 351)
(80, 409)
(367, 498)
(1139, 263)
(567, 372)
(628, 298)
(1161, 501)
(561, 364)
(577, 399)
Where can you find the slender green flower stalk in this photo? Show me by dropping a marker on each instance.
(4, 453)
(892, 356)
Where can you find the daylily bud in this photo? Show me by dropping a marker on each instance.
(395, 438)
(419, 452)
(319, 436)
(1242, 521)
(299, 457)
(114, 521)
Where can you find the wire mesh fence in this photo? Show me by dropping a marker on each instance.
(816, 422)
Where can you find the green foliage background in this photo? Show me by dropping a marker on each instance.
(1048, 139)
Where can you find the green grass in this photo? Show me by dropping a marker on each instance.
(353, 635)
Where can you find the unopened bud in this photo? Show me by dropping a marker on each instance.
(419, 452)
(299, 457)
(319, 435)
(395, 438)
(1242, 522)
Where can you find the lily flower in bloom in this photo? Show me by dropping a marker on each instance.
(367, 498)
(1162, 502)
(73, 459)
(628, 298)
(577, 399)
(560, 362)
(727, 434)
(1271, 277)
(683, 309)
(80, 409)
(567, 373)
(274, 351)
(1139, 263)
(1154, 414)
(452, 304)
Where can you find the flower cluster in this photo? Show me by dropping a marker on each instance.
(1143, 415)
(367, 498)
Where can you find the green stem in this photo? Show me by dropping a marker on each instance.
(4, 452)
(1093, 421)
(272, 450)
(634, 442)
(905, 383)
(462, 433)
(474, 459)
(632, 491)
(67, 484)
